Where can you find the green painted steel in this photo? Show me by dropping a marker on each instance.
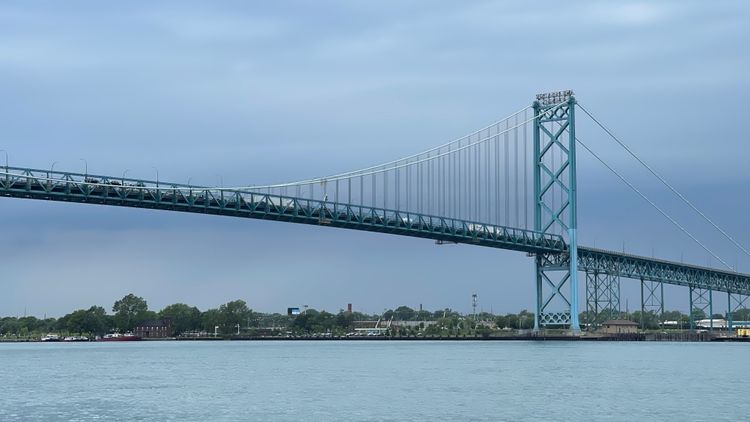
(735, 302)
(117, 191)
(602, 297)
(652, 299)
(550, 250)
(554, 138)
(643, 268)
(701, 300)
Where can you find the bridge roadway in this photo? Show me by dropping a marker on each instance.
(47, 185)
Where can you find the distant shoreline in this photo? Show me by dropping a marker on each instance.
(635, 337)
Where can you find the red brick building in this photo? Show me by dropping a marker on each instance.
(155, 328)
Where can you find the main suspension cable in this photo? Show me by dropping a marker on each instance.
(664, 182)
(384, 166)
(396, 164)
(647, 199)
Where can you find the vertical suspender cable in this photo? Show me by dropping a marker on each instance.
(477, 178)
(496, 144)
(398, 188)
(419, 187)
(507, 173)
(408, 187)
(525, 173)
(515, 168)
(487, 217)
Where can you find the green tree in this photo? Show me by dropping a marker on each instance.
(234, 313)
(525, 320)
(742, 314)
(210, 319)
(424, 316)
(345, 321)
(404, 313)
(184, 317)
(698, 314)
(129, 311)
(98, 322)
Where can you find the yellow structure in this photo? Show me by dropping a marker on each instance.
(743, 332)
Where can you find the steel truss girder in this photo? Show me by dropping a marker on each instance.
(735, 302)
(701, 300)
(116, 191)
(650, 269)
(602, 297)
(652, 299)
(556, 285)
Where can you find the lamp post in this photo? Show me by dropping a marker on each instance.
(221, 179)
(51, 170)
(123, 176)
(85, 168)
(157, 176)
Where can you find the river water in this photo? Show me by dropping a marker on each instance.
(374, 381)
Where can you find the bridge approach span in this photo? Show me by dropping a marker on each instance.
(17, 182)
(117, 191)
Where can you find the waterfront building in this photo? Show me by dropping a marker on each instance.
(619, 326)
(155, 328)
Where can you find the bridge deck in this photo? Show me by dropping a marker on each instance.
(104, 190)
(651, 269)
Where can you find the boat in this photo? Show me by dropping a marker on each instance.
(119, 337)
(76, 338)
(51, 338)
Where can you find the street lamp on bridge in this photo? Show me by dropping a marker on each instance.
(85, 168)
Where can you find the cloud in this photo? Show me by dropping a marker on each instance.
(633, 14)
(265, 92)
(209, 25)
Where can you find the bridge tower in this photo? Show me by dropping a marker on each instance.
(555, 208)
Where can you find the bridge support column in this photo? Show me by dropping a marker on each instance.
(555, 209)
(700, 302)
(602, 297)
(735, 302)
(652, 300)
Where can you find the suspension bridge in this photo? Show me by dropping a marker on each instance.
(509, 185)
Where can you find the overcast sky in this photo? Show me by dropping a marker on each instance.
(254, 93)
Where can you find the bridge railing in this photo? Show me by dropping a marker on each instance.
(57, 185)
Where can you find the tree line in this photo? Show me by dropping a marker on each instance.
(128, 313)
(131, 311)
